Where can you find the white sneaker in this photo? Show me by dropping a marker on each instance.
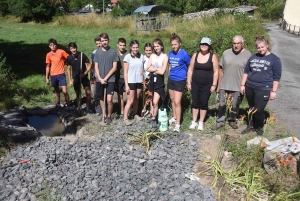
(177, 128)
(193, 125)
(200, 126)
(172, 120)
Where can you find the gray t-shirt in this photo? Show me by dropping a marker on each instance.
(233, 69)
(105, 61)
(135, 68)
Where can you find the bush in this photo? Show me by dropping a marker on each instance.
(5, 79)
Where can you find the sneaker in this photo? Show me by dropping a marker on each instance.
(137, 117)
(233, 124)
(260, 131)
(153, 123)
(108, 120)
(127, 122)
(217, 127)
(149, 119)
(172, 120)
(248, 129)
(200, 126)
(177, 128)
(193, 125)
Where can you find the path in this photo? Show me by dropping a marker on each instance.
(286, 106)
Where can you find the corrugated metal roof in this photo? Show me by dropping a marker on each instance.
(150, 8)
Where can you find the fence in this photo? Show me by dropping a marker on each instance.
(151, 23)
(293, 29)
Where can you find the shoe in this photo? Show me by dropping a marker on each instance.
(138, 118)
(177, 128)
(233, 124)
(108, 120)
(149, 119)
(127, 122)
(172, 120)
(260, 131)
(217, 127)
(248, 129)
(193, 125)
(153, 123)
(200, 126)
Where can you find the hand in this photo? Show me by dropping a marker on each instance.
(103, 81)
(212, 89)
(47, 81)
(189, 87)
(71, 83)
(92, 80)
(242, 89)
(272, 95)
(127, 89)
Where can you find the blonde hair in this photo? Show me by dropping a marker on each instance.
(262, 39)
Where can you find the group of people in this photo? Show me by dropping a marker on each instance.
(235, 74)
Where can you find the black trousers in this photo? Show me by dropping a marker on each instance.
(257, 99)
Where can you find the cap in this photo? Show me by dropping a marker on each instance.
(205, 40)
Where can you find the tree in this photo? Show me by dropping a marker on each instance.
(4, 8)
(36, 10)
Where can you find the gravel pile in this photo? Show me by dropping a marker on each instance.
(108, 168)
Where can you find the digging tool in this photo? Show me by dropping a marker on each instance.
(79, 97)
(14, 164)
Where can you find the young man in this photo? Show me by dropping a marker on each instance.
(55, 61)
(106, 59)
(122, 52)
(93, 78)
(231, 70)
(79, 72)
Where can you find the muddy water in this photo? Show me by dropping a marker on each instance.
(49, 125)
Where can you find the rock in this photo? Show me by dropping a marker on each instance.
(256, 141)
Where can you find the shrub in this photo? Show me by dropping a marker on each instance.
(4, 76)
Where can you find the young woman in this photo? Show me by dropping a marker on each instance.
(157, 65)
(260, 82)
(133, 77)
(179, 61)
(148, 49)
(202, 81)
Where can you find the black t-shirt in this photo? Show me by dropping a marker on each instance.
(74, 62)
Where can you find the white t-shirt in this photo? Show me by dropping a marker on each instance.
(135, 68)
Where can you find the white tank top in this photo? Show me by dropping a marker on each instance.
(157, 61)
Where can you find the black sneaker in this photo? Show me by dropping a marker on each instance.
(248, 129)
(108, 120)
(260, 131)
(153, 123)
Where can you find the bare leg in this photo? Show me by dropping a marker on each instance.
(65, 92)
(177, 106)
(155, 101)
(202, 115)
(172, 94)
(195, 112)
(110, 105)
(121, 102)
(88, 96)
(130, 100)
(136, 101)
(57, 94)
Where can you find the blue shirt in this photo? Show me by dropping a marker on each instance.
(179, 63)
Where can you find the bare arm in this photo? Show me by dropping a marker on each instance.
(162, 70)
(126, 77)
(88, 68)
(149, 67)
(112, 71)
(69, 75)
(97, 71)
(244, 79)
(190, 72)
(216, 73)
(220, 78)
(47, 73)
(274, 90)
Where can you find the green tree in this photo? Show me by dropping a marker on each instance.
(36, 10)
(130, 5)
(4, 8)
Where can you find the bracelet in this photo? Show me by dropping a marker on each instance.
(274, 91)
(213, 85)
(242, 85)
(188, 84)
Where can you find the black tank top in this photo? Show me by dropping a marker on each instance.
(203, 72)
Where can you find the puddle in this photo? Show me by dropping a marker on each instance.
(49, 125)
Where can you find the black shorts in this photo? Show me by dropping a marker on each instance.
(99, 88)
(84, 81)
(135, 86)
(120, 85)
(176, 85)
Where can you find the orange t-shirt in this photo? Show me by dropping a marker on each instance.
(56, 61)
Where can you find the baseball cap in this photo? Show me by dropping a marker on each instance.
(205, 40)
